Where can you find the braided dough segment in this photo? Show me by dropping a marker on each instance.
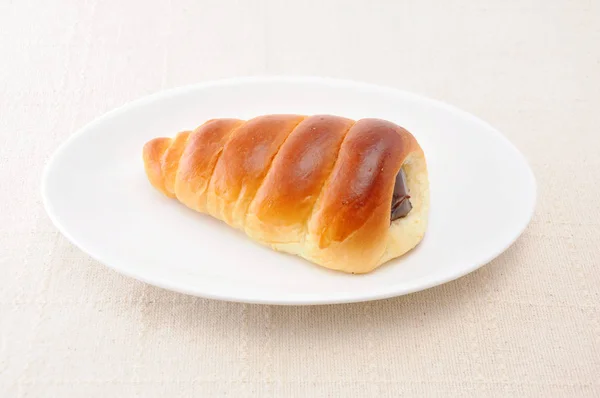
(244, 163)
(349, 230)
(280, 212)
(203, 149)
(152, 154)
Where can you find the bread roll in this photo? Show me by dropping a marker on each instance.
(321, 187)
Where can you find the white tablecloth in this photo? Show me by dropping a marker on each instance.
(528, 324)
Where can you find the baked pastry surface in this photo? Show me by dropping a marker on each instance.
(321, 187)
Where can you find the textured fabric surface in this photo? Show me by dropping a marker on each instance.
(527, 324)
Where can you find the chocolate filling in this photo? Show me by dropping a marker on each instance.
(401, 206)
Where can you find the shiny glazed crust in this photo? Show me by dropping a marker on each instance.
(319, 187)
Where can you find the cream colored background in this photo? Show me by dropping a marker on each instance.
(528, 324)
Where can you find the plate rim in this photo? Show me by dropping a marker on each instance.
(289, 299)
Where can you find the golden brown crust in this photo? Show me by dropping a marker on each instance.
(203, 148)
(153, 153)
(354, 213)
(319, 187)
(244, 163)
(289, 192)
(170, 161)
(363, 179)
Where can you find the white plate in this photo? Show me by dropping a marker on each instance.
(96, 192)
